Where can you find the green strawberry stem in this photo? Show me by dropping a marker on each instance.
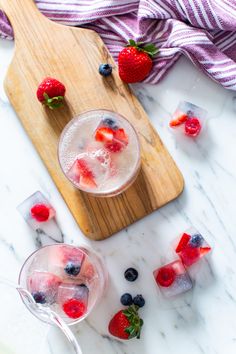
(53, 102)
(149, 48)
(136, 323)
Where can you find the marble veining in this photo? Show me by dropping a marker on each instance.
(202, 321)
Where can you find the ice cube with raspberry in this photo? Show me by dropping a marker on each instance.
(191, 247)
(172, 279)
(40, 216)
(73, 299)
(189, 119)
(43, 286)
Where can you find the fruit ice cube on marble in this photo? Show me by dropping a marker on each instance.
(40, 216)
(43, 286)
(73, 299)
(191, 247)
(172, 279)
(188, 118)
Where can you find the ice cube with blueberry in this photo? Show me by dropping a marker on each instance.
(172, 279)
(191, 247)
(188, 119)
(73, 299)
(43, 286)
(40, 216)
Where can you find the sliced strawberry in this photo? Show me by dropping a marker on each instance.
(87, 181)
(180, 119)
(104, 134)
(204, 250)
(121, 135)
(165, 276)
(183, 242)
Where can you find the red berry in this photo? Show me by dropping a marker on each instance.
(81, 172)
(204, 250)
(165, 276)
(135, 61)
(74, 308)
(121, 135)
(40, 212)
(192, 127)
(114, 146)
(183, 242)
(180, 119)
(104, 134)
(190, 255)
(51, 92)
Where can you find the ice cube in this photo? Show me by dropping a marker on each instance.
(188, 119)
(73, 299)
(172, 279)
(39, 215)
(43, 286)
(191, 247)
(91, 168)
(66, 261)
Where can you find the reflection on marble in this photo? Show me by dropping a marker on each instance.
(206, 321)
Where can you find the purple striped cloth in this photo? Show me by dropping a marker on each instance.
(202, 30)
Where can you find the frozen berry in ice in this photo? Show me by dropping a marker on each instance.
(190, 255)
(131, 274)
(121, 135)
(105, 69)
(40, 212)
(183, 242)
(139, 301)
(114, 146)
(180, 119)
(204, 250)
(165, 276)
(110, 123)
(196, 240)
(126, 299)
(39, 297)
(104, 134)
(74, 308)
(73, 268)
(44, 282)
(192, 126)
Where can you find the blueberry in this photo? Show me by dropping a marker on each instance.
(111, 123)
(196, 240)
(105, 69)
(139, 301)
(72, 269)
(126, 299)
(131, 274)
(39, 297)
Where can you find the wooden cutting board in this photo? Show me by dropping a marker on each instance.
(72, 55)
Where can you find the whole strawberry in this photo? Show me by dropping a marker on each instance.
(135, 61)
(126, 324)
(51, 92)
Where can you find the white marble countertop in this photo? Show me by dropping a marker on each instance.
(205, 320)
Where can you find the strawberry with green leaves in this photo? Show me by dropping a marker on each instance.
(126, 324)
(51, 93)
(135, 61)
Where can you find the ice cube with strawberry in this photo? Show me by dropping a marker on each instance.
(191, 247)
(111, 135)
(188, 119)
(43, 286)
(73, 299)
(172, 279)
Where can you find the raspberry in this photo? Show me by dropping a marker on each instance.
(165, 276)
(114, 146)
(190, 255)
(74, 308)
(192, 127)
(40, 212)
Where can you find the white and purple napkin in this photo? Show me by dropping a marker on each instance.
(202, 30)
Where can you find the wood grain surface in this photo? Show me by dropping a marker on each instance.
(72, 55)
